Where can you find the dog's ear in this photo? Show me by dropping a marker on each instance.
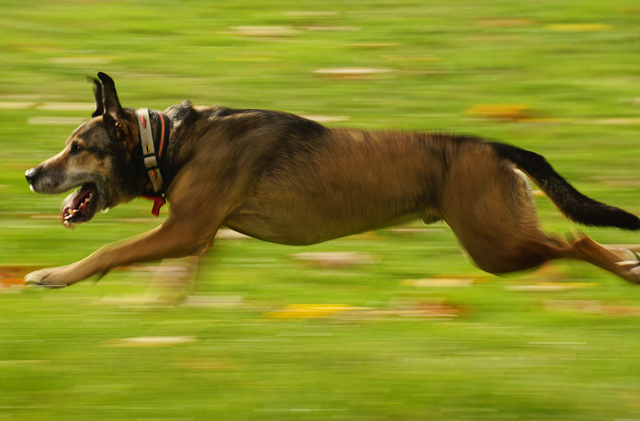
(97, 95)
(112, 112)
(110, 100)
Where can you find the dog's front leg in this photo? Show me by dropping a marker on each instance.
(175, 238)
(173, 280)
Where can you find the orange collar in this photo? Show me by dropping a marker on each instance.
(152, 159)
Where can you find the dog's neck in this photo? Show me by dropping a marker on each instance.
(153, 143)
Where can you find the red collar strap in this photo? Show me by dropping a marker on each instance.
(158, 202)
(152, 159)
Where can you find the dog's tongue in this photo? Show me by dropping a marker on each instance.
(75, 206)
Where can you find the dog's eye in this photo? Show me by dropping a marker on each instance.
(76, 149)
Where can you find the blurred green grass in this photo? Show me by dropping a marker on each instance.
(506, 354)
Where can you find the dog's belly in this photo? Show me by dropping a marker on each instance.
(315, 221)
(292, 229)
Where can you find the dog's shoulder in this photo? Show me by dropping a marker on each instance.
(186, 112)
(181, 113)
(273, 121)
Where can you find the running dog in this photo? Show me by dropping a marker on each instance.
(285, 179)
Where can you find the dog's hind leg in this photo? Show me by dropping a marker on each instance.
(490, 208)
(493, 215)
(527, 248)
(623, 262)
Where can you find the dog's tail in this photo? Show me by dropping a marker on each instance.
(575, 205)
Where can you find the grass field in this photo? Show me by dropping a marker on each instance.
(411, 332)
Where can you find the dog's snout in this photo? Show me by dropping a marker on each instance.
(32, 174)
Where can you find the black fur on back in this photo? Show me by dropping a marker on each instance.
(575, 205)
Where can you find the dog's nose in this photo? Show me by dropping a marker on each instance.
(32, 175)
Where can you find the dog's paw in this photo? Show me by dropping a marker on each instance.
(631, 268)
(50, 278)
(635, 274)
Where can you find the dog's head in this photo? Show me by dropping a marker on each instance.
(97, 158)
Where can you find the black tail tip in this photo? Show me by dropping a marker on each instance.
(631, 222)
(621, 219)
(605, 216)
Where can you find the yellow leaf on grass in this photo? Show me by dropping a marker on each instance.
(579, 27)
(500, 111)
(308, 311)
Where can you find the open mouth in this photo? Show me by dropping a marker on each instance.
(80, 206)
